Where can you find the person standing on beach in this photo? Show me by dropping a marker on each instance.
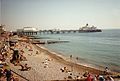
(106, 70)
(95, 78)
(8, 74)
(71, 61)
(89, 78)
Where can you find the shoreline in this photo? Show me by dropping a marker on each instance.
(62, 59)
(86, 64)
(79, 61)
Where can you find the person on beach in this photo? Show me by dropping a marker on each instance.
(15, 56)
(86, 74)
(109, 78)
(101, 78)
(89, 78)
(37, 52)
(8, 74)
(78, 77)
(21, 51)
(95, 78)
(1, 72)
(25, 67)
(70, 56)
(106, 70)
(65, 69)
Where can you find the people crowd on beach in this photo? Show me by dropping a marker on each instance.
(7, 57)
(5, 71)
(91, 77)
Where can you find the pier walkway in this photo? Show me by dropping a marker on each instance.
(66, 31)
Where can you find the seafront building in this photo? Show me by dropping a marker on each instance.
(27, 31)
(1, 29)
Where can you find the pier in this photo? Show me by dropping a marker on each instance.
(67, 31)
(83, 29)
(30, 31)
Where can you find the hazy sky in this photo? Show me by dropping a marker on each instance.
(0, 12)
(62, 14)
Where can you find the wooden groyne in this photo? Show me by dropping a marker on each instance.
(48, 42)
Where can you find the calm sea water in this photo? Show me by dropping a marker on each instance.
(101, 49)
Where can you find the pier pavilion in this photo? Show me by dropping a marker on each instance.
(28, 31)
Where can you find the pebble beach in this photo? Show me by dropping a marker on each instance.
(47, 65)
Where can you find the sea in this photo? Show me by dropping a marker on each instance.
(96, 49)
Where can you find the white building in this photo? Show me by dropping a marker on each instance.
(27, 31)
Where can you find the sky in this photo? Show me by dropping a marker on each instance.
(60, 14)
(0, 12)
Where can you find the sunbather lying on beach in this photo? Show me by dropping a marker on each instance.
(30, 54)
(65, 69)
(30, 48)
(22, 58)
(37, 52)
(25, 67)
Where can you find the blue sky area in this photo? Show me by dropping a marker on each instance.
(60, 14)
